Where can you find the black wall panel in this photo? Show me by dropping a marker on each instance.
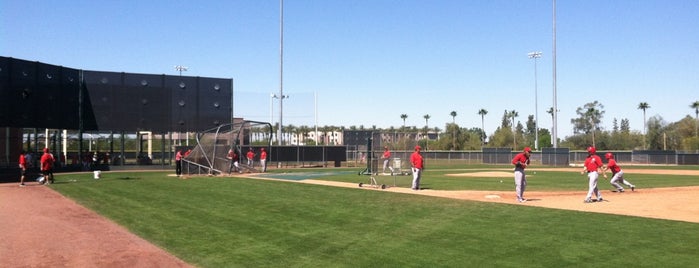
(184, 101)
(49, 96)
(214, 102)
(4, 90)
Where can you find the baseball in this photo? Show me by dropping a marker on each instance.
(500, 181)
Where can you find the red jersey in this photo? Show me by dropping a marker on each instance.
(522, 159)
(22, 161)
(232, 155)
(593, 162)
(386, 154)
(178, 156)
(251, 154)
(416, 160)
(612, 165)
(47, 161)
(263, 155)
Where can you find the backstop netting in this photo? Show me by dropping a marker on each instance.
(209, 156)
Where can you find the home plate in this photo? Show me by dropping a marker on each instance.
(492, 196)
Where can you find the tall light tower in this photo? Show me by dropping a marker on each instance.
(555, 104)
(535, 55)
(281, 70)
(180, 68)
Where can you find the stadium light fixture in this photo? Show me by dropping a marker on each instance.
(181, 68)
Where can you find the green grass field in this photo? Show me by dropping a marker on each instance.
(235, 222)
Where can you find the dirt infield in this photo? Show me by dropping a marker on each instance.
(66, 234)
(41, 228)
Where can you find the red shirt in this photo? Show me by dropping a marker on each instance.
(592, 163)
(386, 154)
(22, 161)
(263, 155)
(521, 158)
(611, 165)
(178, 156)
(416, 160)
(232, 155)
(251, 155)
(47, 161)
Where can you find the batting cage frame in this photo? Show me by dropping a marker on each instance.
(398, 163)
(209, 156)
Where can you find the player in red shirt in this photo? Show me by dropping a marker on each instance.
(178, 163)
(386, 159)
(250, 156)
(23, 168)
(417, 163)
(521, 161)
(617, 174)
(47, 161)
(593, 167)
(263, 159)
(234, 165)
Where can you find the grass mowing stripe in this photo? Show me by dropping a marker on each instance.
(224, 222)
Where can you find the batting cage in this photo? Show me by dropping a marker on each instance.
(371, 146)
(210, 155)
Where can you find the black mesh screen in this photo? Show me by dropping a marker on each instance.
(214, 102)
(49, 96)
(37, 95)
(183, 102)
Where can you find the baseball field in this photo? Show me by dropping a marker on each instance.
(463, 217)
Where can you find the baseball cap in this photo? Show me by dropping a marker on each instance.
(527, 149)
(417, 147)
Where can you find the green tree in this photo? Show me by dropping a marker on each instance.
(590, 116)
(482, 112)
(695, 106)
(644, 106)
(512, 114)
(403, 116)
(453, 117)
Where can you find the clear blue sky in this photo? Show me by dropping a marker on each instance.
(369, 61)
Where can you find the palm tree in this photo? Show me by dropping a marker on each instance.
(514, 114)
(643, 106)
(482, 112)
(695, 105)
(403, 116)
(453, 117)
(427, 117)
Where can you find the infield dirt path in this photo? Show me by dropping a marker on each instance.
(41, 228)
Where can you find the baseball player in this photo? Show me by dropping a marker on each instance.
(47, 161)
(234, 165)
(23, 168)
(593, 167)
(417, 163)
(521, 161)
(250, 156)
(386, 158)
(617, 174)
(263, 159)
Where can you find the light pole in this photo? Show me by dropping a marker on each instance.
(281, 69)
(279, 130)
(555, 98)
(535, 55)
(181, 68)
